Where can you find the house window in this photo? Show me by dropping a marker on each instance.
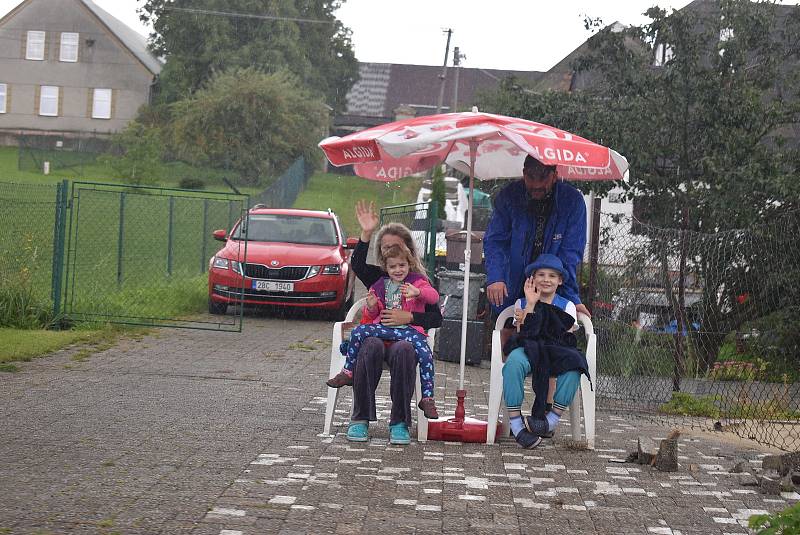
(3, 96)
(35, 45)
(69, 47)
(48, 101)
(101, 104)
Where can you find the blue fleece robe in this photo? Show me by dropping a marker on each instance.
(508, 242)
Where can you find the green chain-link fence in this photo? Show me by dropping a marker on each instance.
(110, 253)
(284, 191)
(27, 220)
(421, 219)
(61, 153)
(699, 329)
(140, 255)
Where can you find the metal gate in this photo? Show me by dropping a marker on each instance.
(140, 255)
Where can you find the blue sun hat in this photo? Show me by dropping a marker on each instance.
(546, 261)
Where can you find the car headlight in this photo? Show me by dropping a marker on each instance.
(221, 263)
(313, 271)
(236, 266)
(332, 269)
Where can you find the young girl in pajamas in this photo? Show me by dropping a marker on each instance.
(405, 287)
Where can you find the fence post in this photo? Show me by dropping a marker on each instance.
(170, 235)
(121, 237)
(203, 258)
(433, 215)
(58, 245)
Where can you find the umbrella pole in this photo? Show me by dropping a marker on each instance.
(473, 147)
(462, 428)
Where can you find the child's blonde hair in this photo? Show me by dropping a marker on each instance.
(402, 232)
(398, 250)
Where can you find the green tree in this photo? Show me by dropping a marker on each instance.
(140, 148)
(198, 43)
(256, 123)
(705, 130)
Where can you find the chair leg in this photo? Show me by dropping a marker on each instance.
(575, 416)
(422, 422)
(495, 389)
(333, 396)
(337, 361)
(588, 398)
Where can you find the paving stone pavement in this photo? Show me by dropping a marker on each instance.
(217, 433)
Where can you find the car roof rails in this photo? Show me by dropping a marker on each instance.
(257, 206)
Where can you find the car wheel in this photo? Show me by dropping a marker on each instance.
(217, 308)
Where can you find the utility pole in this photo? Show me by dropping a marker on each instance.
(457, 57)
(443, 76)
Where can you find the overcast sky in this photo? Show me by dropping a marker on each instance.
(500, 34)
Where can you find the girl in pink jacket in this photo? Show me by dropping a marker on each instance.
(405, 288)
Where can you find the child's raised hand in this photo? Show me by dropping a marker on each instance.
(519, 317)
(409, 290)
(372, 300)
(531, 292)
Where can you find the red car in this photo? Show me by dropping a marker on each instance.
(295, 258)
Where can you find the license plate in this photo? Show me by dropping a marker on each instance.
(273, 286)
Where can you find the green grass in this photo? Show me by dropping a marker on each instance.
(340, 193)
(168, 176)
(25, 344)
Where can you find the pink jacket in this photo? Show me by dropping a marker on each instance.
(427, 296)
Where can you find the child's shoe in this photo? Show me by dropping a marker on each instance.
(358, 432)
(428, 406)
(339, 380)
(398, 434)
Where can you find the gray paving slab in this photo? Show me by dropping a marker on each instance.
(218, 433)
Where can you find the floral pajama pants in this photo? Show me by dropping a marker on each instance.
(409, 334)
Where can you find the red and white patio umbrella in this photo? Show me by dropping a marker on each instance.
(484, 145)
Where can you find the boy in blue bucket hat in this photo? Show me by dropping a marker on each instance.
(545, 347)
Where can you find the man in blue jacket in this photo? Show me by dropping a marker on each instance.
(535, 215)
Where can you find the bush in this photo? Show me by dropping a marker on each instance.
(623, 356)
(438, 190)
(736, 370)
(784, 522)
(192, 183)
(141, 149)
(255, 123)
(684, 404)
(20, 305)
(776, 339)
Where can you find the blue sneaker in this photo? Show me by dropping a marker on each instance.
(357, 432)
(398, 434)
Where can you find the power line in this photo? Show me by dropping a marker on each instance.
(245, 15)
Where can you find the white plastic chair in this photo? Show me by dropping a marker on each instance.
(585, 395)
(337, 361)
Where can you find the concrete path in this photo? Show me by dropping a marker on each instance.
(217, 433)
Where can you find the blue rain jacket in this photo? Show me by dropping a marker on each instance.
(508, 242)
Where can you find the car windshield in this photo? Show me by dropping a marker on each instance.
(287, 229)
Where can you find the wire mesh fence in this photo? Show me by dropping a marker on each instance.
(284, 191)
(110, 253)
(421, 219)
(60, 153)
(140, 255)
(27, 219)
(700, 329)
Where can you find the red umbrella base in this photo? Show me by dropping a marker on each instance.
(458, 428)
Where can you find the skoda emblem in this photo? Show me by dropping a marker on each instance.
(274, 263)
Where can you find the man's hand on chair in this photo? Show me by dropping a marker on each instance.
(581, 309)
(395, 317)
